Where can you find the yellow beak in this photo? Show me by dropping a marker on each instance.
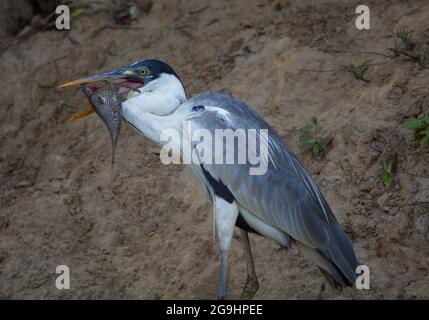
(82, 114)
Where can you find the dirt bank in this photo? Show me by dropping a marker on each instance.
(143, 230)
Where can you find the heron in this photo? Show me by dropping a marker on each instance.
(283, 204)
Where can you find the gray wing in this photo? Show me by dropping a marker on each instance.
(285, 197)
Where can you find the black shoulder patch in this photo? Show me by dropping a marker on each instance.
(242, 224)
(222, 191)
(219, 188)
(198, 108)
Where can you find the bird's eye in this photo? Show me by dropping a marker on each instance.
(143, 71)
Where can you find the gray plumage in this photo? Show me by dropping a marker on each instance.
(282, 203)
(285, 198)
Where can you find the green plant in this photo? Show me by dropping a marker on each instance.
(387, 174)
(405, 36)
(420, 128)
(312, 139)
(359, 70)
(78, 11)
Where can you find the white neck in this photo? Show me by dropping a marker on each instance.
(154, 108)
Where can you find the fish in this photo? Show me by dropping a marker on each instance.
(106, 100)
(107, 103)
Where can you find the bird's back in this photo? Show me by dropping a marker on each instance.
(285, 197)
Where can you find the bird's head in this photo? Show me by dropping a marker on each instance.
(153, 84)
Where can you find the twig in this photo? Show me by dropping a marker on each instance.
(414, 174)
(413, 204)
(105, 27)
(198, 10)
(309, 70)
(360, 52)
(72, 40)
(343, 69)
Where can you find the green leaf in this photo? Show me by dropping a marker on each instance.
(387, 173)
(77, 12)
(390, 165)
(367, 61)
(363, 67)
(306, 142)
(424, 142)
(387, 178)
(308, 127)
(307, 139)
(412, 123)
(321, 142)
(426, 120)
(316, 149)
(134, 11)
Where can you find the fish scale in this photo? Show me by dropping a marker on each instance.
(107, 105)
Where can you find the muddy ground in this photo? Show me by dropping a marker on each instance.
(143, 230)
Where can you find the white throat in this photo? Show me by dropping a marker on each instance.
(153, 109)
(161, 96)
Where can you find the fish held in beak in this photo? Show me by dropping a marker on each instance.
(107, 104)
(105, 92)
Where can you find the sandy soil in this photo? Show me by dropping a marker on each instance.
(143, 230)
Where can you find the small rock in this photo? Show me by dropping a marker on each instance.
(24, 184)
(278, 6)
(37, 22)
(145, 5)
(381, 201)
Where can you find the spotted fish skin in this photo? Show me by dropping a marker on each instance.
(107, 105)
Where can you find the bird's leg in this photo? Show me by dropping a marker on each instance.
(252, 285)
(225, 216)
(223, 275)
